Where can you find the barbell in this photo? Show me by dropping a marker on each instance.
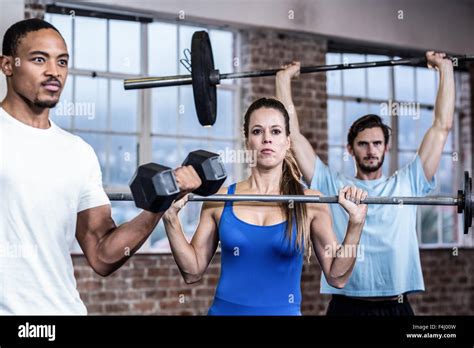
(204, 77)
(464, 200)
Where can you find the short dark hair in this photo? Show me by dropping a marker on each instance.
(17, 31)
(368, 121)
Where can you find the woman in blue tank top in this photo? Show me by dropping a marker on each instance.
(264, 245)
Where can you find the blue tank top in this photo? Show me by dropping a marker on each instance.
(260, 268)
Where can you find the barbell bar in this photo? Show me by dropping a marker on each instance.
(204, 77)
(464, 200)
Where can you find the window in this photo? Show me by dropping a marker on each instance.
(353, 93)
(138, 126)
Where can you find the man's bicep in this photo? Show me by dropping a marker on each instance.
(431, 149)
(92, 225)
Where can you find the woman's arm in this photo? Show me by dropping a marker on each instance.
(337, 261)
(193, 257)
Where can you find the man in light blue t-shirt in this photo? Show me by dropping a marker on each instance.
(388, 263)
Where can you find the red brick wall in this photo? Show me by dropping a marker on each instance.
(151, 284)
(265, 49)
(449, 283)
(146, 284)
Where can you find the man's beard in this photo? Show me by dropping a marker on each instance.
(45, 104)
(370, 168)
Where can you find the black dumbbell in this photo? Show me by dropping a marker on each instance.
(154, 186)
(210, 169)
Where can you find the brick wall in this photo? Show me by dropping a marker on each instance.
(147, 284)
(265, 49)
(151, 284)
(449, 283)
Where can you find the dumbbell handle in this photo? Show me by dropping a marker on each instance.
(154, 187)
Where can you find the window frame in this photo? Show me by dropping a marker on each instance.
(395, 151)
(144, 133)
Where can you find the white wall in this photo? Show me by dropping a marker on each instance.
(426, 24)
(11, 11)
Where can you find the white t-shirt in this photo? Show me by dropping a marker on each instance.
(47, 176)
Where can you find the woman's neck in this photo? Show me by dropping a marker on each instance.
(264, 181)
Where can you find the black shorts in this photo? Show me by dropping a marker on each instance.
(347, 306)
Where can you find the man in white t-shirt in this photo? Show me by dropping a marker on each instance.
(51, 185)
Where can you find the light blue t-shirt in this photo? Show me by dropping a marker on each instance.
(388, 262)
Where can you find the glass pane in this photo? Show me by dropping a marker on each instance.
(404, 158)
(404, 83)
(123, 211)
(223, 128)
(386, 165)
(90, 54)
(99, 143)
(354, 111)
(188, 121)
(164, 110)
(333, 78)
(158, 240)
(124, 47)
(124, 106)
(379, 109)
(348, 164)
(336, 158)
(407, 133)
(449, 219)
(336, 133)
(91, 103)
(425, 85)
(449, 146)
(223, 51)
(185, 34)
(63, 113)
(354, 79)
(376, 109)
(166, 152)
(424, 123)
(429, 224)
(162, 49)
(191, 145)
(122, 159)
(64, 24)
(378, 79)
(445, 176)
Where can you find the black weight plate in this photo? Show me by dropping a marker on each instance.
(202, 65)
(468, 204)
